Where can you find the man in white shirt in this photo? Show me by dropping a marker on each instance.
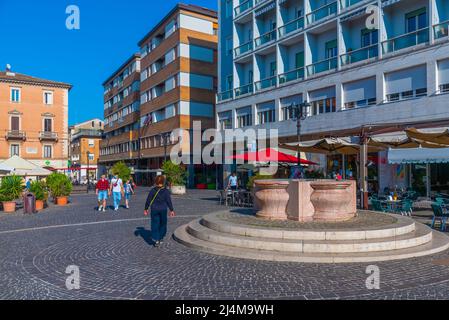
(233, 182)
(117, 191)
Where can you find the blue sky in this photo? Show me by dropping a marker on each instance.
(35, 41)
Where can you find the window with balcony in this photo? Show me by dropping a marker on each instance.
(48, 125)
(331, 49)
(416, 20)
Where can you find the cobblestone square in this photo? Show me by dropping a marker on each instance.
(116, 261)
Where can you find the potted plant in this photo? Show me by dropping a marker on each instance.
(60, 187)
(176, 177)
(11, 190)
(38, 189)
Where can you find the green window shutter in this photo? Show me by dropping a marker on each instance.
(415, 13)
(331, 44)
(299, 60)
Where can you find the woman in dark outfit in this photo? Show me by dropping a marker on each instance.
(159, 201)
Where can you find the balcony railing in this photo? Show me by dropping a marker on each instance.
(244, 48)
(406, 40)
(265, 38)
(322, 66)
(322, 12)
(292, 26)
(15, 135)
(245, 6)
(360, 55)
(348, 3)
(441, 30)
(246, 89)
(47, 135)
(297, 74)
(226, 95)
(266, 83)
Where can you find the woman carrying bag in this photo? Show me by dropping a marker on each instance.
(159, 202)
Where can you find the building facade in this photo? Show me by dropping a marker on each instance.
(85, 139)
(121, 116)
(34, 119)
(178, 86)
(358, 63)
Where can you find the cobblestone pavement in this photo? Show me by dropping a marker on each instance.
(117, 262)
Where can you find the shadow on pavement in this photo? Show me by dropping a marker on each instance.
(145, 235)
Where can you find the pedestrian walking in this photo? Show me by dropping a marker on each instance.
(129, 190)
(159, 202)
(233, 182)
(102, 191)
(117, 191)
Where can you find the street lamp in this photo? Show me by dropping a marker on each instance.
(164, 137)
(299, 113)
(87, 170)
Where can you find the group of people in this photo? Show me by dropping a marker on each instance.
(105, 188)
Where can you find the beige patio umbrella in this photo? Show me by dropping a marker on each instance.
(435, 138)
(407, 143)
(324, 146)
(22, 167)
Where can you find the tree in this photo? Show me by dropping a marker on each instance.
(121, 170)
(176, 174)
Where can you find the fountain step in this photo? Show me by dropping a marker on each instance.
(403, 226)
(418, 237)
(439, 243)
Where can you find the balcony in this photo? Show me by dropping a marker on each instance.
(244, 48)
(292, 26)
(441, 30)
(297, 74)
(48, 136)
(265, 38)
(348, 3)
(322, 66)
(322, 12)
(243, 90)
(266, 83)
(360, 55)
(406, 41)
(226, 95)
(243, 7)
(15, 135)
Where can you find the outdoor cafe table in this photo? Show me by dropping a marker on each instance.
(393, 205)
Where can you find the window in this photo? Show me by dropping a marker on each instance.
(266, 116)
(15, 95)
(331, 49)
(47, 152)
(91, 142)
(91, 156)
(244, 120)
(229, 46)
(15, 150)
(48, 97)
(48, 125)
(15, 123)
(287, 113)
(323, 106)
(416, 20)
(272, 69)
(444, 88)
(299, 60)
(369, 37)
(229, 82)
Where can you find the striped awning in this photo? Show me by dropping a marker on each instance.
(419, 155)
(265, 9)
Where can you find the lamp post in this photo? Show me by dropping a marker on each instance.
(299, 113)
(164, 137)
(87, 171)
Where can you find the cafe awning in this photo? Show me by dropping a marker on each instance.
(441, 138)
(325, 146)
(418, 156)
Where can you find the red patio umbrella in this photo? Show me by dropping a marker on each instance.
(270, 155)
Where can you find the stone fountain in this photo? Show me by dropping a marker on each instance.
(314, 221)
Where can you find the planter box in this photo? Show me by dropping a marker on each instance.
(178, 190)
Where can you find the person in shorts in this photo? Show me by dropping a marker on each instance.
(102, 191)
(129, 191)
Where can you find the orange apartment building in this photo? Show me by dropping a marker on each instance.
(85, 139)
(34, 119)
(121, 116)
(178, 85)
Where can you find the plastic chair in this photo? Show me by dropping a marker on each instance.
(377, 206)
(406, 208)
(439, 215)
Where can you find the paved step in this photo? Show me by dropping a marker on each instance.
(420, 236)
(439, 243)
(403, 226)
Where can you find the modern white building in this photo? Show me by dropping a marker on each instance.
(359, 63)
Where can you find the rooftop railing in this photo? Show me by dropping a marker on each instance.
(406, 40)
